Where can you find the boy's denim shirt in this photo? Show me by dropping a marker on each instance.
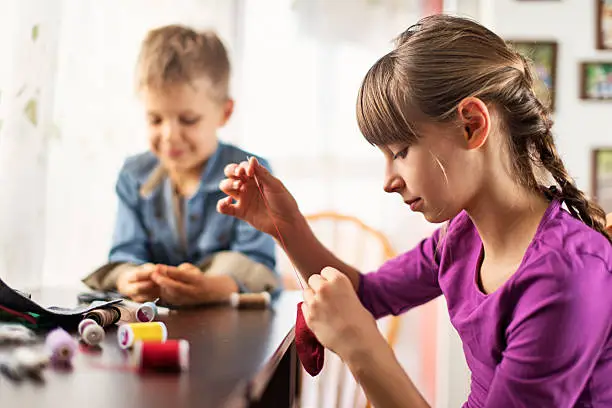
(146, 229)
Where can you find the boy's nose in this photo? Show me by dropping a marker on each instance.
(170, 131)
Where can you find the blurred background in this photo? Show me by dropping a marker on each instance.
(69, 116)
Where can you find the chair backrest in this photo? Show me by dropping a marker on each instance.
(349, 238)
(365, 248)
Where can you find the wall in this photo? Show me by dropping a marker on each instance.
(580, 125)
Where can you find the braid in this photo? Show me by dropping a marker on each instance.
(576, 201)
(532, 144)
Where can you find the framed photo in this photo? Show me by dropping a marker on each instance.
(543, 54)
(596, 80)
(604, 24)
(601, 177)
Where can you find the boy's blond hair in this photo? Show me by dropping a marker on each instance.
(177, 54)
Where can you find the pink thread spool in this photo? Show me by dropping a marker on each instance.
(91, 332)
(61, 346)
(147, 312)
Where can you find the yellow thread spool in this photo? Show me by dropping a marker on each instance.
(128, 334)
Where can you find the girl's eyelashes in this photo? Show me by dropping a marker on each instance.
(401, 154)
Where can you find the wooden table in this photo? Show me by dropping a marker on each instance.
(238, 358)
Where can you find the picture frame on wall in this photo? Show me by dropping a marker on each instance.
(601, 177)
(596, 80)
(604, 24)
(543, 54)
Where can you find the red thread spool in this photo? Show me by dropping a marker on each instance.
(171, 355)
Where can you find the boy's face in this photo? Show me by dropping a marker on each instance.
(182, 123)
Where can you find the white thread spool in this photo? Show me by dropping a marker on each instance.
(260, 300)
(91, 332)
(29, 361)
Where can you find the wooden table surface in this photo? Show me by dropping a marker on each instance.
(233, 353)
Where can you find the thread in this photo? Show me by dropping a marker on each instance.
(29, 361)
(91, 333)
(16, 333)
(127, 312)
(280, 237)
(61, 346)
(11, 371)
(172, 355)
(104, 317)
(15, 313)
(250, 300)
(146, 312)
(132, 332)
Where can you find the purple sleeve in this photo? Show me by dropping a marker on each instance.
(404, 282)
(559, 327)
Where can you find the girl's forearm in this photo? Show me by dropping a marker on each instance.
(383, 380)
(309, 255)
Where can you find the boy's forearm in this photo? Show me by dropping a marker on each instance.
(383, 380)
(310, 256)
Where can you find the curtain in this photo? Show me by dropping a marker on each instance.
(28, 44)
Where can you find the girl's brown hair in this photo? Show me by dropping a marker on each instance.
(440, 61)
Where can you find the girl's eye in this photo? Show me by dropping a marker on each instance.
(401, 154)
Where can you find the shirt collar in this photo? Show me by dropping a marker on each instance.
(212, 174)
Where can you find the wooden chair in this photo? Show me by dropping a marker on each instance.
(366, 249)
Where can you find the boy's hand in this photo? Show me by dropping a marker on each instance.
(187, 285)
(136, 283)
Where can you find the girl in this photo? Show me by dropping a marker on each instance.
(527, 283)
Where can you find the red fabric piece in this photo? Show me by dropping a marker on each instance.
(310, 352)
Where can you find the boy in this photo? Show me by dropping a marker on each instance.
(167, 230)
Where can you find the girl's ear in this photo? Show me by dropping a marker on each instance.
(476, 121)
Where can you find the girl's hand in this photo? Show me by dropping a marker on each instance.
(335, 315)
(245, 202)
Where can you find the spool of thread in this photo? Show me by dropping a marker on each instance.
(146, 312)
(172, 355)
(250, 300)
(104, 317)
(91, 332)
(127, 312)
(61, 346)
(129, 333)
(29, 361)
